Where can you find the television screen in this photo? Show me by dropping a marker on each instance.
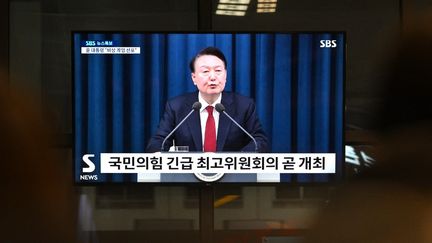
(208, 107)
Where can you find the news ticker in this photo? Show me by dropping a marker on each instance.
(295, 163)
(111, 50)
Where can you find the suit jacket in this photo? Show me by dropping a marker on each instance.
(229, 136)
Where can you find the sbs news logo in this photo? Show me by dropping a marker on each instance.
(89, 169)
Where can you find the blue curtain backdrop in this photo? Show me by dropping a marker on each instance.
(297, 87)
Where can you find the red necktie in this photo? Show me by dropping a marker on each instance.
(210, 132)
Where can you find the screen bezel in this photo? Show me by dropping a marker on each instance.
(338, 176)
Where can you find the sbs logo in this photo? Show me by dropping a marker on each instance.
(328, 43)
(90, 168)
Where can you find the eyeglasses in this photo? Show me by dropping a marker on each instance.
(208, 72)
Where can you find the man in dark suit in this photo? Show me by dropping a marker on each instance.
(208, 69)
(229, 136)
(207, 130)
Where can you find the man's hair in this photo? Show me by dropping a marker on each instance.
(212, 51)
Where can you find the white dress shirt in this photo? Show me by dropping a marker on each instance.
(204, 115)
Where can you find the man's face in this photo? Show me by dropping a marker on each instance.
(209, 75)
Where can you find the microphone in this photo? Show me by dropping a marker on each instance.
(221, 109)
(195, 107)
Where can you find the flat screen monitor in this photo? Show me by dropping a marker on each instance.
(277, 107)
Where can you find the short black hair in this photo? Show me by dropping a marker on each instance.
(212, 51)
